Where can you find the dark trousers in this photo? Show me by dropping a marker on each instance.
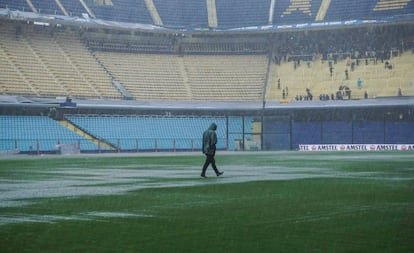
(209, 160)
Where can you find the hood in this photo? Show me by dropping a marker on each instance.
(213, 126)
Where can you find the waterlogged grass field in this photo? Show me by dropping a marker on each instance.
(265, 202)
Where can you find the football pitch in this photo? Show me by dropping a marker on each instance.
(264, 202)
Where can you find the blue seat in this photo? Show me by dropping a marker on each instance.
(47, 7)
(20, 5)
(182, 13)
(242, 13)
(162, 133)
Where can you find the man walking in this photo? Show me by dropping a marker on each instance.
(209, 149)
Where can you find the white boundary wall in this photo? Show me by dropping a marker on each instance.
(356, 147)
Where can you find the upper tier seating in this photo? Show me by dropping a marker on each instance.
(73, 8)
(47, 7)
(179, 13)
(377, 80)
(20, 5)
(122, 11)
(44, 62)
(371, 9)
(236, 13)
(229, 13)
(296, 12)
(189, 77)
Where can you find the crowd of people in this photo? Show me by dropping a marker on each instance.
(358, 43)
(357, 46)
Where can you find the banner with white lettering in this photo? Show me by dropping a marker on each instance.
(356, 147)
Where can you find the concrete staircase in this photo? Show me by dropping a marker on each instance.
(102, 143)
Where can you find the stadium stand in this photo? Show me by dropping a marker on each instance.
(296, 12)
(206, 52)
(47, 7)
(164, 133)
(187, 78)
(357, 10)
(384, 5)
(127, 43)
(32, 133)
(20, 5)
(233, 13)
(380, 58)
(27, 63)
(73, 8)
(147, 76)
(226, 14)
(377, 80)
(123, 11)
(138, 133)
(49, 63)
(150, 132)
(230, 78)
(178, 13)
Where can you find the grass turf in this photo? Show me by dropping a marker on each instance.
(356, 202)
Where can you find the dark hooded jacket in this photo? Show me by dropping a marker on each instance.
(210, 140)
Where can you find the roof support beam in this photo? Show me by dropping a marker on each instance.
(211, 13)
(271, 11)
(31, 6)
(87, 9)
(62, 8)
(154, 12)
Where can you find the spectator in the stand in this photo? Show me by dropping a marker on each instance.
(399, 92)
(339, 95)
(283, 93)
(366, 94)
(309, 94)
(359, 83)
(388, 65)
(278, 84)
(353, 45)
(276, 60)
(348, 93)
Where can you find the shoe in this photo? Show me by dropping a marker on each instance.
(220, 173)
(203, 175)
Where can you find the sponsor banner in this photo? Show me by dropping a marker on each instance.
(356, 147)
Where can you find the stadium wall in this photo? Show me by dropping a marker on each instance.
(306, 126)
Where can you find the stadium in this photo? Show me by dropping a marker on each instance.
(103, 104)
